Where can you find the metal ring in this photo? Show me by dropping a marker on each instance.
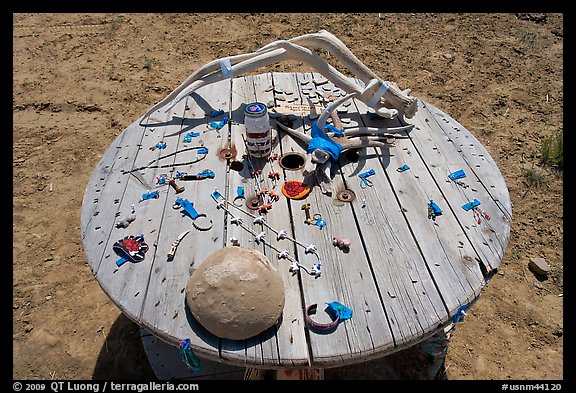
(317, 216)
(253, 203)
(238, 198)
(324, 327)
(228, 153)
(199, 227)
(295, 157)
(346, 195)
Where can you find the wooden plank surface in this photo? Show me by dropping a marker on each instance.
(485, 183)
(447, 254)
(408, 291)
(290, 338)
(346, 277)
(128, 283)
(163, 309)
(249, 350)
(404, 275)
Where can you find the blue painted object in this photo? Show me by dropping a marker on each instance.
(151, 195)
(336, 309)
(470, 205)
(187, 356)
(364, 181)
(331, 128)
(433, 210)
(188, 137)
(457, 175)
(218, 124)
(320, 223)
(321, 141)
(217, 196)
(188, 207)
(460, 313)
(206, 173)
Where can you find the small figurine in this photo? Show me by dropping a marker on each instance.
(341, 242)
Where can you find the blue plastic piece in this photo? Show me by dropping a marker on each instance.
(202, 150)
(457, 175)
(460, 313)
(435, 208)
(364, 175)
(240, 191)
(216, 195)
(219, 124)
(470, 205)
(403, 168)
(161, 145)
(206, 173)
(364, 181)
(188, 137)
(331, 128)
(187, 356)
(336, 309)
(151, 195)
(321, 141)
(188, 207)
(320, 223)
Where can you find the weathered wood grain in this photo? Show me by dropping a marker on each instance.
(165, 308)
(404, 276)
(408, 290)
(346, 277)
(442, 246)
(486, 184)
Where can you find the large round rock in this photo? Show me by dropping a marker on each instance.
(236, 293)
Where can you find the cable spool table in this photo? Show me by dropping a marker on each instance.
(428, 222)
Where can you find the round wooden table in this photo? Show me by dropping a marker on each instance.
(406, 276)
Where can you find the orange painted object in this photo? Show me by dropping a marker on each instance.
(300, 374)
(295, 189)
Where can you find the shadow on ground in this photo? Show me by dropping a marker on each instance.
(122, 357)
(414, 363)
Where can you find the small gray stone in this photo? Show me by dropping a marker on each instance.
(539, 266)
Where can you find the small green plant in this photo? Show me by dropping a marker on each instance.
(530, 38)
(534, 177)
(557, 275)
(553, 150)
(148, 63)
(113, 27)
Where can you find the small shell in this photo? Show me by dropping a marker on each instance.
(341, 242)
(126, 221)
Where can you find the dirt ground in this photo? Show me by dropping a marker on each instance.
(80, 79)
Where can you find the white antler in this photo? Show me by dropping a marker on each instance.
(384, 97)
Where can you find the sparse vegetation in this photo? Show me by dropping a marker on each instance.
(553, 150)
(534, 177)
(148, 63)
